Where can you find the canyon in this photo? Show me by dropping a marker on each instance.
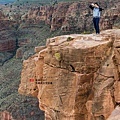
(71, 70)
(75, 77)
(74, 16)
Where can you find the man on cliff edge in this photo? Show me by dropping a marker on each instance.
(96, 16)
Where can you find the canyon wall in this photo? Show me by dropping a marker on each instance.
(75, 77)
(7, 37)
(8, 42)
(74, 16)
(5, 116)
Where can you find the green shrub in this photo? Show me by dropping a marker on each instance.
(58, 56)
(70, 39)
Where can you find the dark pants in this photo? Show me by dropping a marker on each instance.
(96, 24)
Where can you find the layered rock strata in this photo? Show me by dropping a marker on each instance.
(75, 77)
(8, 41)
(5, 116)
(7, 37)
(74, 16)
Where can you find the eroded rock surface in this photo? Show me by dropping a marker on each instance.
(5, 116)
(76, 77)
(115, 114)
(7, 38)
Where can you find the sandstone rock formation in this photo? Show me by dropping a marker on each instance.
(115, 114)
(5, 116)
(76, 77)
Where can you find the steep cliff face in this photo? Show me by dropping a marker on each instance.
(5, 116)
(75, 77)
(8, 43)
(7, 38)
(64, 16)
(75, 16)
(111, 16)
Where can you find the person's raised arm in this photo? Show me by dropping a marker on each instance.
(91, 6)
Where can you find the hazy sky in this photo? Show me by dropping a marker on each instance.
(6, 1)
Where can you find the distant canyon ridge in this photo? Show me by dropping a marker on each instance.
(74, 16)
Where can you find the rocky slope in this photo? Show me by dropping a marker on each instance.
(75, 77)
(7, 38)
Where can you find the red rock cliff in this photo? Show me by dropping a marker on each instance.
(5, 116)
(7, 38)
(75, 16)
(75, 77)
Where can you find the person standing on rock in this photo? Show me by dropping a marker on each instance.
(96, 16)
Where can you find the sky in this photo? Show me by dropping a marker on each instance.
(6, 1)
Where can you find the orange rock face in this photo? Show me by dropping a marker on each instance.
(115, 114)
(75, 77)
(5, 116)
